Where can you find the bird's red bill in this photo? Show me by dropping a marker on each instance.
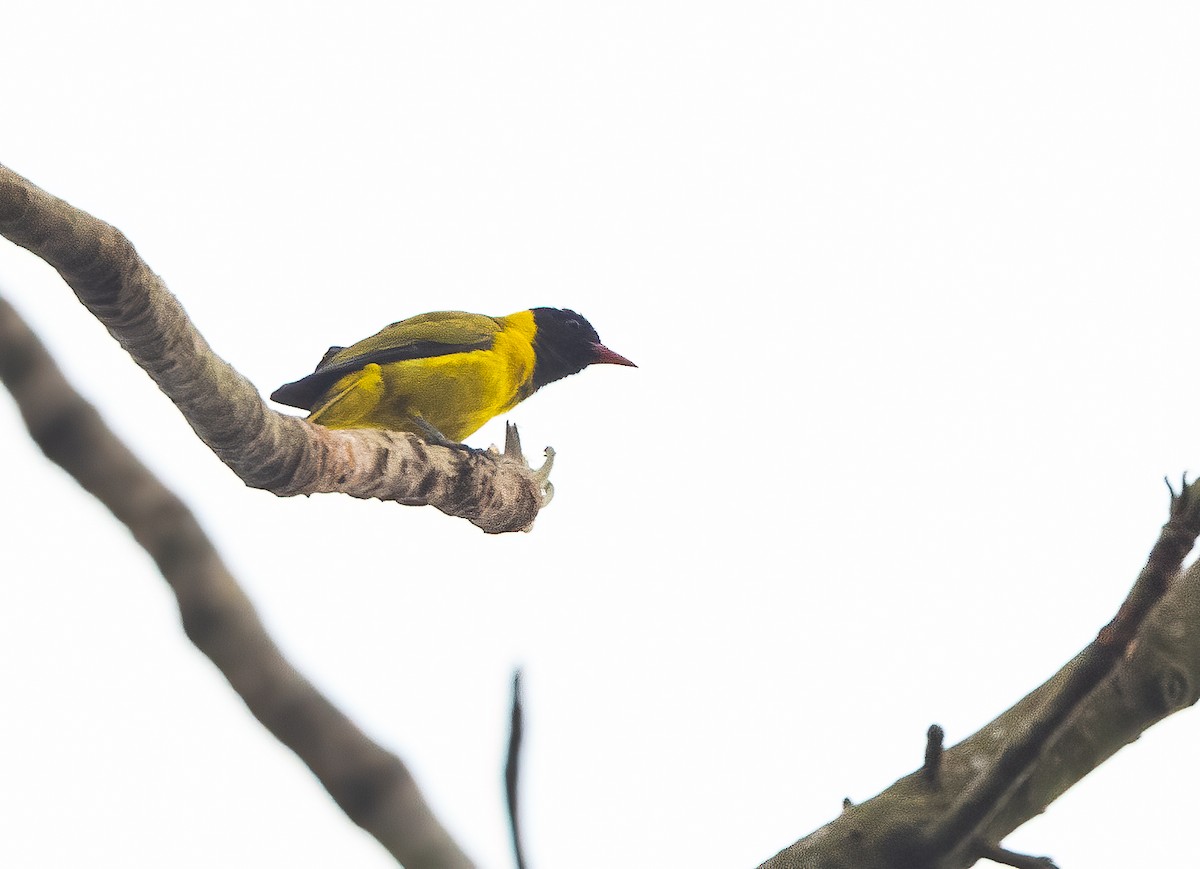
(601, 355)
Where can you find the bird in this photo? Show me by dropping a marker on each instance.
(444, 374)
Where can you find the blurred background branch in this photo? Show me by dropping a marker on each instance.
(371, 784)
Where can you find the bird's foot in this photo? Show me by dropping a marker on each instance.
(437, 439)
(512, 450)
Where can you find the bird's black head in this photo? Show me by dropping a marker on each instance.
(566, 343)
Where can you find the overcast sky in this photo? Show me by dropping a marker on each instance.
(913, 293)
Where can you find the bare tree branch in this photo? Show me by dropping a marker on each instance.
(371, 784)
(266, 449)
(952, 812)
(1142, 666)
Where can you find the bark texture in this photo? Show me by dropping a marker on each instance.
(266, 449)
(370, 784)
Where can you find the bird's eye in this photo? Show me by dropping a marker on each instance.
(572, 324)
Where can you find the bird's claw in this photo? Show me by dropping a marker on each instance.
(512, 443)
(512, 450)
(543, 476)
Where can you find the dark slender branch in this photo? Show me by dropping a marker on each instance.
(963, 825)
(512, 770)
(1141, 667)
(371, 784)
(1176, 541)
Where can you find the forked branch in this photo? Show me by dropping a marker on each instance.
(955, 810)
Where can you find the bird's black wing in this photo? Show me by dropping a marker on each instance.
(305, 392)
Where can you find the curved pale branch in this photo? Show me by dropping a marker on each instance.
(371, 784)
(266, 449)
(1143, 666)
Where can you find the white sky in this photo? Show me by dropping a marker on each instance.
(913, 293)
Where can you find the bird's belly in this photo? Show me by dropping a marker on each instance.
(456, 394)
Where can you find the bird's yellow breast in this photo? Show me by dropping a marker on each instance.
(456, 393)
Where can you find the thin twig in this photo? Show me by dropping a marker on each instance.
(512, 769)
(935, 739)
(1005, 857)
